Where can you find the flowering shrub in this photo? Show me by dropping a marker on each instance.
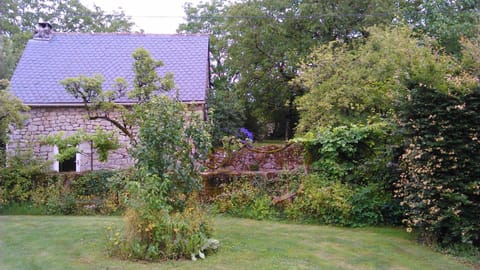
(440, 185)
(245, 134)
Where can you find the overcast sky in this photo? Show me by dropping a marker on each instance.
(153, 16)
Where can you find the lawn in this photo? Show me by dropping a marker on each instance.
(58, 242)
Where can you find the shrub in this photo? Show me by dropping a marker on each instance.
(312, 199)
(27, 182)
(100, 192)
(242, 198)
(22, 175)
(160, 235)
(322, 201)
(162, 219)
(93, 183)
(171, 147)
(369, 204)
(355, 154)
(440, 186)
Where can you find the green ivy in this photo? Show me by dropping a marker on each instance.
(355, 154)
(102, 141)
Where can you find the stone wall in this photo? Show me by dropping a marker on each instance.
(45, 121)
(287, 157)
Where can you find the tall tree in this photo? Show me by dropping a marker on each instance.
(446, 20)
(266, 40)
(364, 82)
(18, 19)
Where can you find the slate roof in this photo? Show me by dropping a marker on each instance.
(45, 63)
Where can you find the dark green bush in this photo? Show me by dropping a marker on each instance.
(440, 184)
(368, 205)
(93, 183)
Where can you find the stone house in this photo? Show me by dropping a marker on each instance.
(51, 57)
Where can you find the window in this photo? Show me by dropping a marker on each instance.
(69, 165)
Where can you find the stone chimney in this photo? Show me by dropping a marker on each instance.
(43, 31)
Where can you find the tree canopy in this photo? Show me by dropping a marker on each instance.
(355, 83)
(257, 47)
(445, 20)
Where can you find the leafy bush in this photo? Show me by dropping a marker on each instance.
(355, 154)
(171, 147)
(22, 175)
(26, 182)
(322, 202)
(357, 162)
(439, 186)
(369, 205)
(163, 220)
(160, 235)
(93, 183)
(312, 199)
(61, 204)
(242, 198)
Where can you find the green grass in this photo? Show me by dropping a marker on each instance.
(22, 209)
(54, 242)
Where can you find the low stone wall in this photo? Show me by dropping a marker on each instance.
(267, 158)
(265, 162)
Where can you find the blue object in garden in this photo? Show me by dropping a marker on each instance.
(246, 134)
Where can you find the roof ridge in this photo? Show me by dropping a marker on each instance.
(123, 34)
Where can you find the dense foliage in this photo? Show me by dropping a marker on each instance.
(445, 20)
(11, 115)
(364, 82)
(257, 47)
(172, 142)
(28, 185)
(439, 184)
(427, 100)
(308, 198)
(164, 220)
(355, 154)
